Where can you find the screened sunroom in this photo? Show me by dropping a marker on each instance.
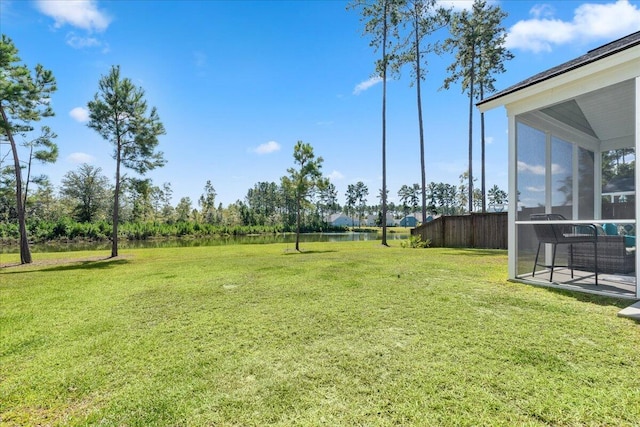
(573, 137)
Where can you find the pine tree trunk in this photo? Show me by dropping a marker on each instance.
(298, 223)
(420, 124)
(384, 127)
(116, 207)
(473, 60)
(25, 252)
(482, 143)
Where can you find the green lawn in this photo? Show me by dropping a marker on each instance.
(342, 334)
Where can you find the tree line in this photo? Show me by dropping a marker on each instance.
(83, 207)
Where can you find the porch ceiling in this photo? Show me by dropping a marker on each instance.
(606, 114)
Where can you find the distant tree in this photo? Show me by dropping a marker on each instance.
(477, 38)
(431, 193)
(383, 219)
(7, 194)
(43, 203)
(165, 195)
(183, 210)
(327, 199)
(89, 191)
(207, 202)
(497, 196)
(262, 202)
(141, 191)
(404, 194)
(303, 180)
(118, 113)
(24, 98)
(351, 200)
(362, 192)
(42, 149)
(381, 19)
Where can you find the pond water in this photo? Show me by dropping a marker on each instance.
(210, 241)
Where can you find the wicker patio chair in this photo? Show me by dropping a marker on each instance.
(614, 257)
(564, 234)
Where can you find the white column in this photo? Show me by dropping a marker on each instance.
(637, 134)
(512, 241)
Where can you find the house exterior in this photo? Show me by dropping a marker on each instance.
(409, 221)
(372, 220)
(574, 131)
(412, 220)
(342, 220)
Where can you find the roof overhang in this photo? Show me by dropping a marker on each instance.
(571, 79)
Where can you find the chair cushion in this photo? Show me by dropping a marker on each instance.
(629, 241)
(610, 229)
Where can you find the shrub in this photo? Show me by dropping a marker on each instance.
(415, 242)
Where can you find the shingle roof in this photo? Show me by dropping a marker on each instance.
(590, 57)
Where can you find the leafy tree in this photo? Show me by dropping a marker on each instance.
(24, 98)
(381, 19)
(477, 39)
(89, 190)
(118, 113)
(302, 181)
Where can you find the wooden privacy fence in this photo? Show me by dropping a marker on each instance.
(477, 230)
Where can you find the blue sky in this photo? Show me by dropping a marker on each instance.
(238, 83)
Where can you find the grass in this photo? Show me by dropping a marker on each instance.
(342, 334)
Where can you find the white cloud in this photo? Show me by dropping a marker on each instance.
(456, 4)
(361, 87)
(79, 158)
(542, 11)
(591, 21)
(78, 13)
(335, 176)
(556, 169)
(80, 114)
(268, 147)
(534, 169)
(79, 42)
(535, 189)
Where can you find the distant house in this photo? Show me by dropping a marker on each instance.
(342, 220)
(372, 220)
(410, 220)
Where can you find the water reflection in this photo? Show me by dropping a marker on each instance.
(209, 241)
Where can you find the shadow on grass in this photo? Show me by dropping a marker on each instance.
(478, 252)
(69, 265)
(303, 252)
(90, 265)
(601, 300)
